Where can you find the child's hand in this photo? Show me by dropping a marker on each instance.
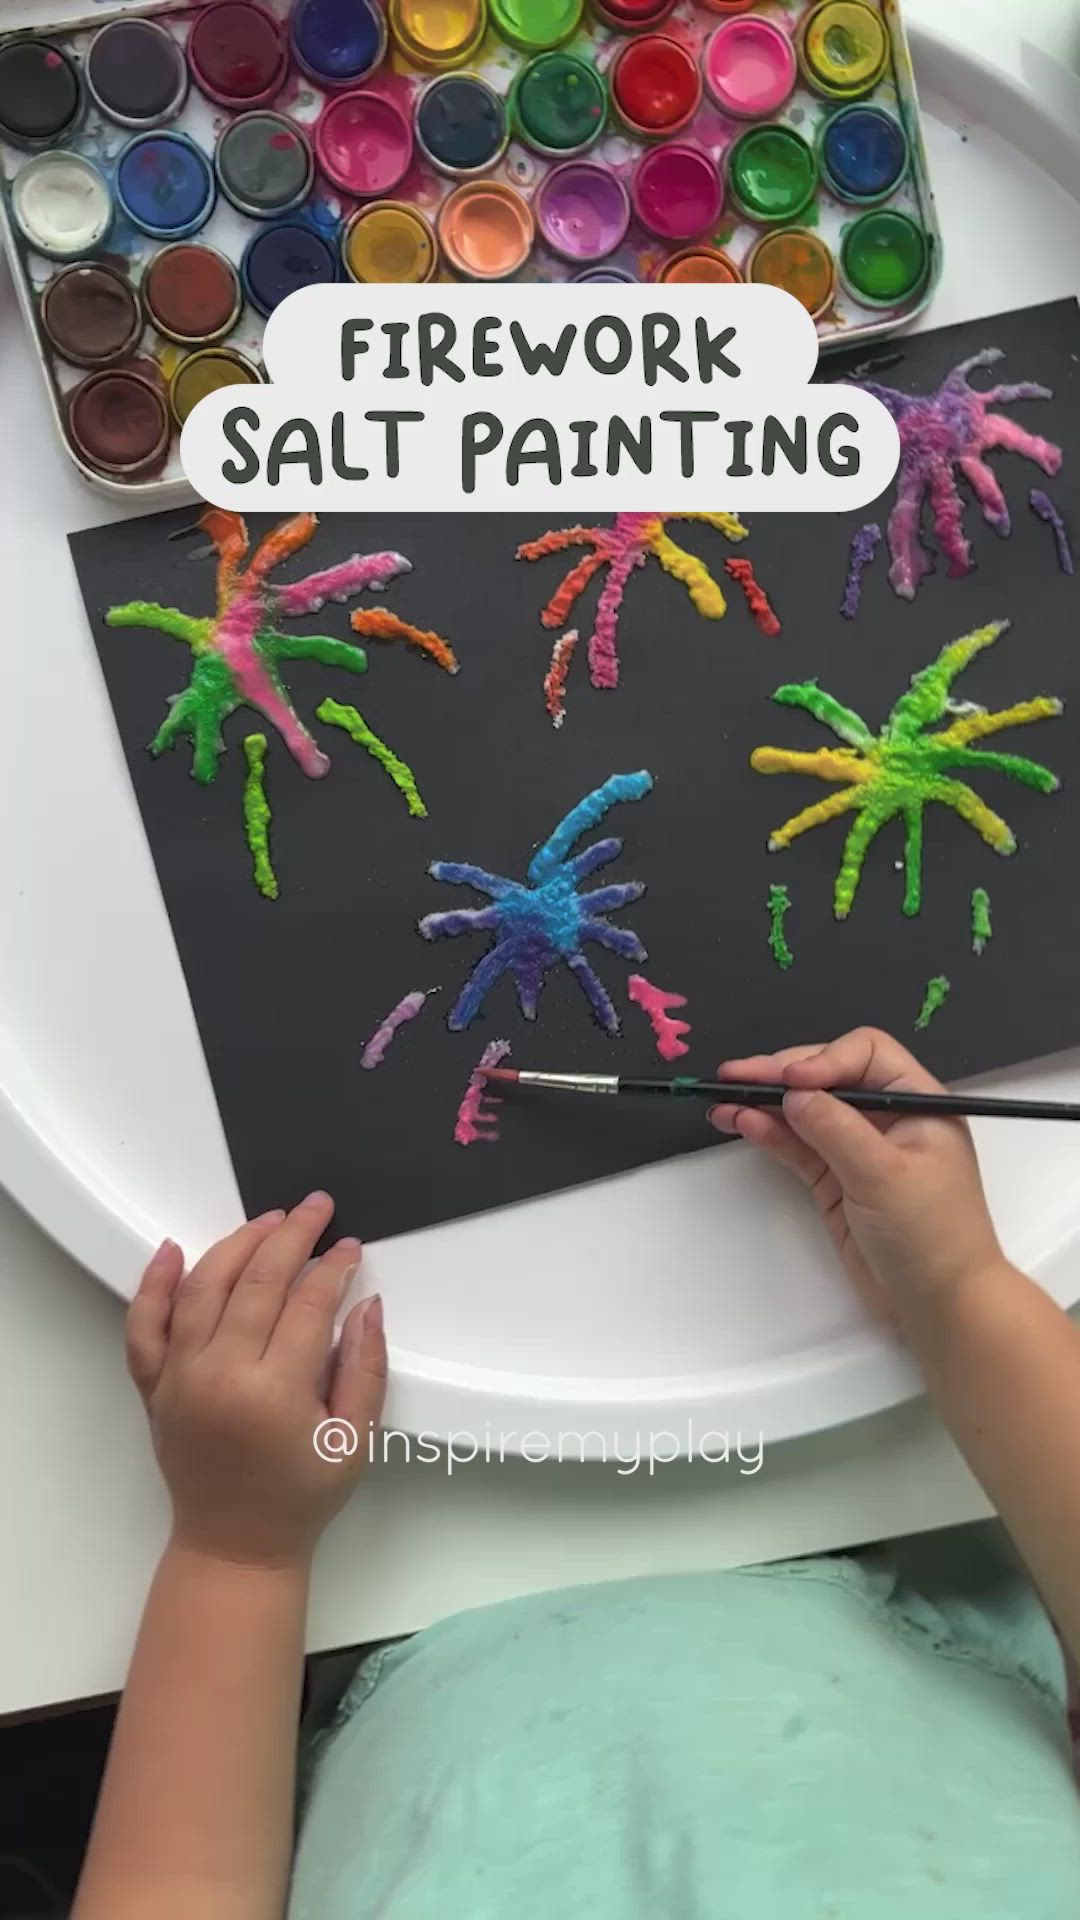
(901, 1198)
(231, 1361)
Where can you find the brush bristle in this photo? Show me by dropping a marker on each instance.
(498, 1073)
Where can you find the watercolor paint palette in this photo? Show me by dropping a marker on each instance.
(170, 175)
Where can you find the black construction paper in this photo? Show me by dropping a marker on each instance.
(286, 993)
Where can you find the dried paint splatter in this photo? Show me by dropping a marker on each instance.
(546, 921)
(620, 548)
(899, 772)
(981, 927)
(865, 543)
(761, 609)
(407, 1009)
(937, 992)
(779, 903)
(238, 653)
(1042, 505)
(555, 678)
(953, 429)
(478, 1114)
(657, 1005)
(257, 815)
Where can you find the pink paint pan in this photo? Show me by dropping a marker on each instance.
(750, 67)
(364, 144)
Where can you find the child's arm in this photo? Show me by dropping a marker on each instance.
(195, 1819)
(903, 1203)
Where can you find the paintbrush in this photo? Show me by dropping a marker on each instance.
(751, 1094)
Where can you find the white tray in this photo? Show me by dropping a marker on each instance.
(692, 1291)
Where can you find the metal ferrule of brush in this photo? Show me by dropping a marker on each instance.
(572, 1082)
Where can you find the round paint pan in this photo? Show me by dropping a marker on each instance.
(364, 144)
(772, 174)
(136, 73)
(863, 154)
(843, 49)
(798, 262)
(165, 185)
(461, 125)
(41, 94)
(536, 25)
(205, 372)
(61, 204)
(282, 259)
(699, 267)
(264, 165)
(728, 6)
(119, 423)
(558, 105)
(677, 192)
(485, 230)
(750, 67)
(632, 16)
(389, 243)
(192, 294)
(582, 211)
(238, 54)
(338, 43)
(438, 35)
(884, 259)
(655, 86)
(604, 276)
(90, 315)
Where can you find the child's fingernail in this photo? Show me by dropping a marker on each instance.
(317, 1199)
(715, 1121)
(348, 1245)
(273, 1218)
(162, 1253)
(373, 1314)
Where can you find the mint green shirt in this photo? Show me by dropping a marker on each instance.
(822, 1740)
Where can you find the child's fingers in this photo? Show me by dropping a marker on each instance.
(202, 1296)
(300, 1342)
(765, 1068)
(358, 1388)
(846, 1140)
(766, 1130)
(259, 1293)
(864, 1058)
(146, 1330)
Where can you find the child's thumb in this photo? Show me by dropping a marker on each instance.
(846, 1140)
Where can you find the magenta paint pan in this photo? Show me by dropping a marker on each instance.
(677, 192)
(364, 144)
(238, 54)
(582, 211)
(632, 16)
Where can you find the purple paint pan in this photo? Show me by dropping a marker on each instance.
(582, 211)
